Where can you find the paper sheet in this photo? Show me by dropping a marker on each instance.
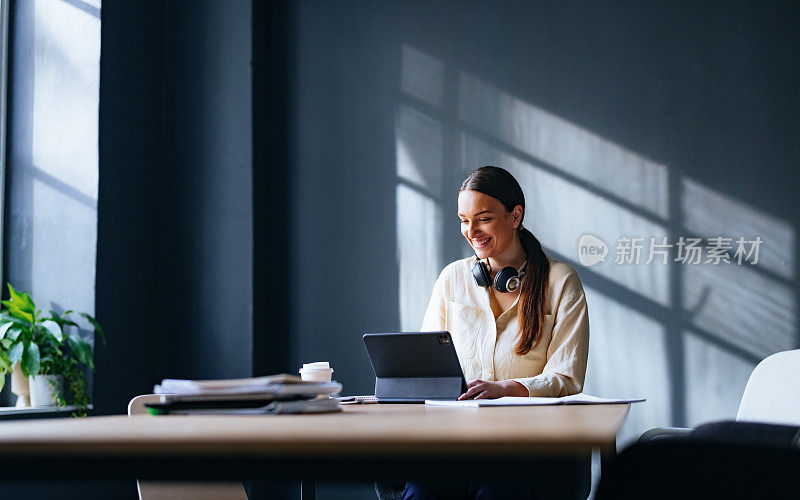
(575, 399)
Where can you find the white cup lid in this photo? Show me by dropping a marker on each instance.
(317, 365)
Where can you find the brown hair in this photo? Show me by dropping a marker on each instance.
(500, 184)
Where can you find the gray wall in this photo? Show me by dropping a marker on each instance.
(341, 174)
(643, 120)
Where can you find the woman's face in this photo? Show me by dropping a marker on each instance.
(486, 225)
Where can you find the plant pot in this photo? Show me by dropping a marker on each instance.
(20, 387)
(46, 390)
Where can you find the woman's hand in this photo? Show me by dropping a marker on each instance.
(483, 389)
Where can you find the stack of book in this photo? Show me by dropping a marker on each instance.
(245, 396)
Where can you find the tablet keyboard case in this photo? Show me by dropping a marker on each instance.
(415, 366)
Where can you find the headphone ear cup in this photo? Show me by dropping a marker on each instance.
(481, 275)
(503, 279)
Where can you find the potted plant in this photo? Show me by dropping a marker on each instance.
(46, 349)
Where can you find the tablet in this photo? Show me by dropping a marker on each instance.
(411, 367)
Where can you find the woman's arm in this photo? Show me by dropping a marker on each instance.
(564, 372)
(486, 389)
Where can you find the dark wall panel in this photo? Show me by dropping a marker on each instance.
(174, 284)
(271, 216)
(128, 295)
(205, 194)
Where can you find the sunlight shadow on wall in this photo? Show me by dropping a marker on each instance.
(418, 238)
(740, 306)
(559, 212)
(746, 307)
(708, 213)
(564, 146)
(419, 150)
(422, 76)
(418, 146)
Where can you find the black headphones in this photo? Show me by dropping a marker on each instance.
(507, 280)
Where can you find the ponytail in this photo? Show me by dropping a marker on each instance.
(531, 311)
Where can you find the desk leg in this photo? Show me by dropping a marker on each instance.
(606, 456)
(308, 490)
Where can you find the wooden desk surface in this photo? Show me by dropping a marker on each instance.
(360, 431)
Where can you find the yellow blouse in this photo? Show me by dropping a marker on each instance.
(485, 347)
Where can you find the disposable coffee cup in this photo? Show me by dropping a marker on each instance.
(319, 371)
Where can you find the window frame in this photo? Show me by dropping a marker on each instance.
(4, 28)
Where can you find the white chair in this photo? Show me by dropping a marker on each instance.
(772, 395)
(158, 490)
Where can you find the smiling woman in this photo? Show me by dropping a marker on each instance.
(518, 318)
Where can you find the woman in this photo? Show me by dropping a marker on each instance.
(518, 321)
(529, 341)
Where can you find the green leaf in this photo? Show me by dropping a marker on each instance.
(15, 311)
(82, 351)
(4, 329)
(6, 318)
(13, 333)
(22, 300)
(61, 319)
(15, 352)
(31, 360)
(96, 325)
(52, 328)
(5, 365)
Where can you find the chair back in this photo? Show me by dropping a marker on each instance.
(773, 391)
(159, 490)
(136, 406)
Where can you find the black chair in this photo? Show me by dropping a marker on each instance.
(716, 460)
